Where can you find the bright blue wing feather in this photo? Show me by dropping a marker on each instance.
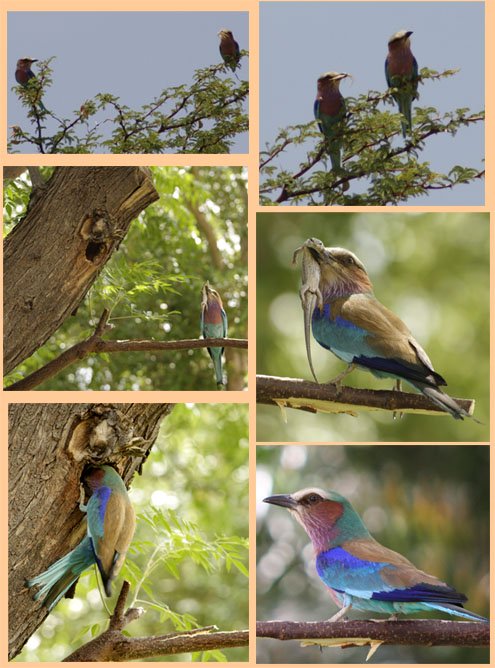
(96, 509)
(346, 573)
(357, 577)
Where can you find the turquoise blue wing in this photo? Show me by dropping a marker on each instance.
(224, 324)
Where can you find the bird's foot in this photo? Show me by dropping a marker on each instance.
(397, 415)
(337, 381)
(341, 615)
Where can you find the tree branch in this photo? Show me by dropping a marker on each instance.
(95, 344)
(112, 645)
(406, 632)
(329, 398)
(286, 194)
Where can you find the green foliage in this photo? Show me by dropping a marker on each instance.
(430, 503)
(152, 285)
(16, 195)
(188, 561)
(169, 542)
(202, 117)
(432, 270)
(391, 174)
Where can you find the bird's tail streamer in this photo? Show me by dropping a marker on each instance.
(58, 578)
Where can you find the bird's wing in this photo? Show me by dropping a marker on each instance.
(366, 569)
(316, 111)
(316, 108)
(415, 78)
(106, 515)
(387, 345)
(415, 68)
(224, 323)
(387, 75)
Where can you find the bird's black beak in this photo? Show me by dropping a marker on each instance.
(284, 500)
(315, 255)
(409, 33)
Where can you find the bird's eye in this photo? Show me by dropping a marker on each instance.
(349, 260)
(311, 499)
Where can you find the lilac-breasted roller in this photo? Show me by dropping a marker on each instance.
(213, 326)
(24, 74)
(359, 572)
(349, 321)
(329, 110)
(229, 49)
(111, 523)
(401, 72)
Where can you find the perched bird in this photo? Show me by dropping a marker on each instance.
(358, 571)
(111, 523)
(401, 72)
(229, 49)
(329, 110)
(351, 323)
(213, 326)
(24, 74)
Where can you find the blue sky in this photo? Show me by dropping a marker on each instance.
(133, 55)
(300, 40)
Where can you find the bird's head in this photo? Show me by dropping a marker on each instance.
(331, 80)
(341, 271)
(209, 295)
(25, 63)
(224, 33)
(400, 40)
(327, 517)
(96, 476)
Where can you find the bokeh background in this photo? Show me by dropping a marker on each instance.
(196, 231)
(430, 503)
(197, 466)
(432, 270)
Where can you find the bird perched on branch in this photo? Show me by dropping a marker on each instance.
(111, 523)
(401, 72)
(213, 326)
(329, 110)
(229, 49)
(358, 571)
(349, 321)
(24, 74)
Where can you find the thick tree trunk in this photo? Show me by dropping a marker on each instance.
(54, 255)
(49, 445)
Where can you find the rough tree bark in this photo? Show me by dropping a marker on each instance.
(49, 445)
(427, 632)
(54, 255)
(330, 398)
